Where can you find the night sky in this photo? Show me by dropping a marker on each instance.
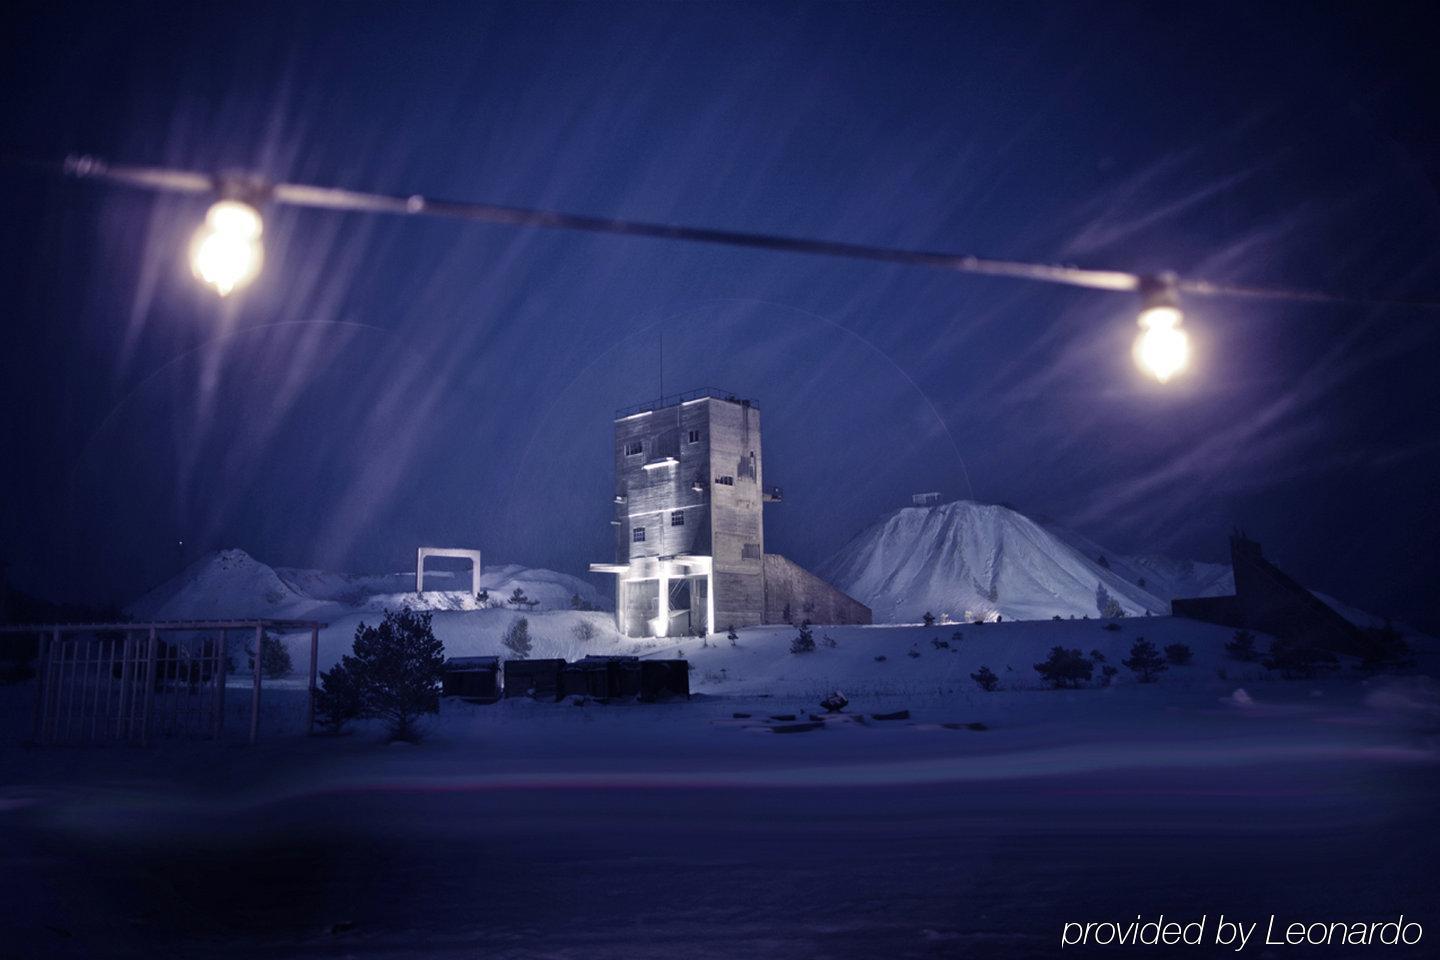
(388, 382)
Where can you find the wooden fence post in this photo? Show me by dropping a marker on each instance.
(314, 655)
(43, 646)
(220, 673)
(149, 695)
(257, 668)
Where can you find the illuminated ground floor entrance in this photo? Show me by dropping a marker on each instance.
(663, 596)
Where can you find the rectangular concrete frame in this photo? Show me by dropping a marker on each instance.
(472, 555)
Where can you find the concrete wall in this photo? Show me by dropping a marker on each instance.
(651, 496)
(737, 520)
(808, 597)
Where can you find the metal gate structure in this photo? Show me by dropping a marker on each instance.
(133, 682)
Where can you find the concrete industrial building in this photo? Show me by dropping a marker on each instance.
(690, 525)
(1269, 600)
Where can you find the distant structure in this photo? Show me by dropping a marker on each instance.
(1268, 600)
(472, 555)
(925, 499)
(690, 527)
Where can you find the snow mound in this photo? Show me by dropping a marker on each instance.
(970, 561)
(231, 584)
(225, 584)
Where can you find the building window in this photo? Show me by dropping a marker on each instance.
(693, 437)
(637, 535)
(750, 551)
(634, 448)
(677, 518)
(726, 481)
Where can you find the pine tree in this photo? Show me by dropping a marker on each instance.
(986, 679)
(274, 657)
(1065, 668)
(398, 665)
(1242, 647)
(1178, 654)
(517, 638)
(340, 697)
(1145, 660)
(804, 641)
(929, 619)
(518, 598)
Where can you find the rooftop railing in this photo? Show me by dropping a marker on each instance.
(713, 393)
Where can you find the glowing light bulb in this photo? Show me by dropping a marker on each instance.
(1163, 349)
(226, 252)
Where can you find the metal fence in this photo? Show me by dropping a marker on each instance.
(129, 683)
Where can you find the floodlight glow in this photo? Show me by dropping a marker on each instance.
(1163, 349)
(226, 252)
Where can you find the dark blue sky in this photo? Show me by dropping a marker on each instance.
(388, 382)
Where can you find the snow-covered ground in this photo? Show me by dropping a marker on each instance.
(975, 827)
(718, 827)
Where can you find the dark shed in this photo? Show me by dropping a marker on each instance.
(661, 679)
(584, 678)
(476, 679)
(539, 679)
(622, 674)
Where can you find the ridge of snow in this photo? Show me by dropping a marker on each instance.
(232, 584)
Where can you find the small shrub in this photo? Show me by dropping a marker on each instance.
(731, 635)
(804, 641)
(913, 653)
(1242, 647)
(1178, 654)
(1065, 668)
(1388, 649)
(956, 637)
(1111, 625)
(829, 641)
(584, 631)
(518, 599)
(880, 658)
(1299, 659)
(939, 644)
(517, 638)
(1145, 661)
(1107, 605)
(928, 619)
(985, 678)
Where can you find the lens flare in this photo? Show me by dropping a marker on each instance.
(1163, 349)
(226, 252)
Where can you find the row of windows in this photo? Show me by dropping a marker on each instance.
(634, 448)
(677, 519)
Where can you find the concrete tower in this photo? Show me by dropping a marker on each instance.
(689, 523)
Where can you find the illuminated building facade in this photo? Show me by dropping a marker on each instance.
(690, 526)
